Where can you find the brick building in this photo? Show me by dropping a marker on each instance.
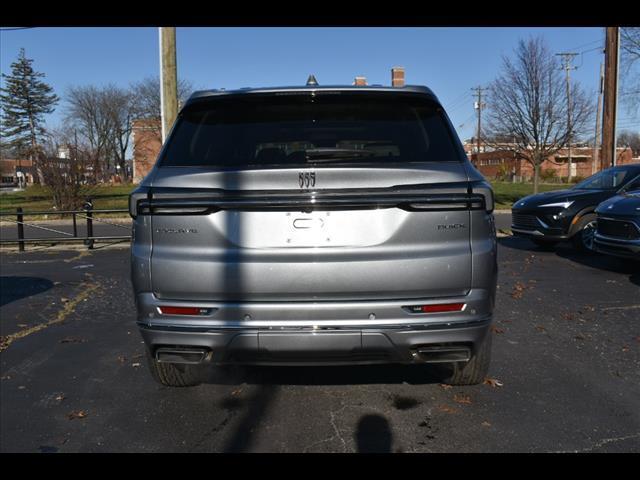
(9, 168)
(504, 164)
(147, 142)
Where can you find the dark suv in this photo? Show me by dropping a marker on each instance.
(618, 227)
(551, 217)
(314, 225)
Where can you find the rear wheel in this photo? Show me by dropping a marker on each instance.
(174, 374)
(583, 238)
(475, 370)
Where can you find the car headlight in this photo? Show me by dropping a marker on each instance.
(558, 204)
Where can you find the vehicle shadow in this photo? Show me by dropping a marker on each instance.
(566, 251)
(324, 375)
(15, 288)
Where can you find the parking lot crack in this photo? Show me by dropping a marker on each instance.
(602, 443)
(86, 290)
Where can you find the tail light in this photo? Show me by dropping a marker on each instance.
(436, 308)
(172, 310)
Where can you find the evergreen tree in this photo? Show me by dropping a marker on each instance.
(25, 99)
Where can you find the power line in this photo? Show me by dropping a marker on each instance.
(9, 29)
(460, 102)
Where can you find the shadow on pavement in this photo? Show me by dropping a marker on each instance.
(593, 260)
(15, 288)
(325, 375)
(373, 435)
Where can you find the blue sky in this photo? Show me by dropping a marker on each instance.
(450, 60)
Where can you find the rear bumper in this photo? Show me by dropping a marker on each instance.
(312, 347)
(307, 333)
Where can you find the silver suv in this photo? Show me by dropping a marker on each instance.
(314, 225)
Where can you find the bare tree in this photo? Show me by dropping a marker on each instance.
(528, 104)
(102, 116)
(631, 140)
(147, 102)
(65, 165)
(87, 116)
(630, 73)
(119, 109)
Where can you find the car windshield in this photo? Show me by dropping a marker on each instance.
(256, 130)
(607, 179)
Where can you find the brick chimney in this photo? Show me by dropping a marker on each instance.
(397, 77)
(361, 81)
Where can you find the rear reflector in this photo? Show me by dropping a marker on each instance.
(183, 310)
(438, 308)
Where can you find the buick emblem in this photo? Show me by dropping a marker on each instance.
(307, 179)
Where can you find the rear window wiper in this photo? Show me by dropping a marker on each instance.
(328, 154)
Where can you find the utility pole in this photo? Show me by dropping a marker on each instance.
(611, 53)
(597, 144)
(567, 58)
(168, 79)
(478, 106)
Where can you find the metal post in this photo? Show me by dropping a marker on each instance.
(20, 229)
(75, 226)
(88, 206)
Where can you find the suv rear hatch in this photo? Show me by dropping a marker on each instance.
(306, 197)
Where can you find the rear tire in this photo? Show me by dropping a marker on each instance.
(475, 370)
(174, 374)
(582, 240)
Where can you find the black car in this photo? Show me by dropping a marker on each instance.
(618, 228)
(551, 217)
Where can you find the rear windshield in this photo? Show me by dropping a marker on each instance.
(302, 130)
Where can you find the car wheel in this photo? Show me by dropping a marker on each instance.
(475, 370)
(584, 236)
(174, 374)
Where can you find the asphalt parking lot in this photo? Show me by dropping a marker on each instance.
(565, 375)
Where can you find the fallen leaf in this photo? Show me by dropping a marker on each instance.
(486, 424)
(76, 414)
(236, 392)
(60, 397)
(579, 337)
(568, 316)
(462, 398)
(23, 325)
(64, 299)
(518, 290)
(122, 358)
(444, 386)
(446, 409)
(135, 365)
(540, 328)
(494, 382)
(625, 348)
(497, 330)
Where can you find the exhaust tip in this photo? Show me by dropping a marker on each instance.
(181, 355)
(442, 354)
